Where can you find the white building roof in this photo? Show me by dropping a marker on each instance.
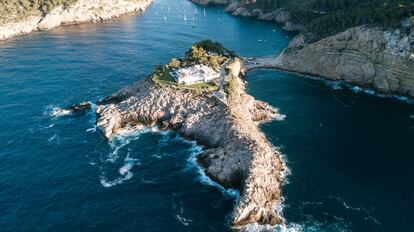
(195, 74)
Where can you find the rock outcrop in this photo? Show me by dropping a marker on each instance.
(237, 154)
(82, 11)
(364, 56)
(280, 16)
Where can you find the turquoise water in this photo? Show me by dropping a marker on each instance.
(350, 153)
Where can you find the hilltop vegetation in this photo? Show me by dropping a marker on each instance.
(327, 17)
(206, 52)
(15, 10)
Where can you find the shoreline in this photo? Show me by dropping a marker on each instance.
(275, 63)
(84, 11)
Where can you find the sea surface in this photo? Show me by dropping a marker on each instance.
(350, 152)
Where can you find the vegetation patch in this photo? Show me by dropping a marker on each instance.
(207, 52)
(328, 17)
(17, 10)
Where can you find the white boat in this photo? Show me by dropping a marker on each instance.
(195, 11)
(205, 14)
(185, 18)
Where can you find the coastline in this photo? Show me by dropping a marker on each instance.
(363, 56)
(83, 11)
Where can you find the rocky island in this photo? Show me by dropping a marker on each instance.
(215, 112)
(23, 17)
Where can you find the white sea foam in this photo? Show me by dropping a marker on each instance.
(122, 139)
(124, 172)
(280, 117)
(336, 85)
(356, 89)
(364, 211)
(277, 116)
(58, 112)
(203, 178)
(157, 156)
(92, 129)
(309, 225)
(183, 220)
(111, 183)
(372, 92)
(52, 138)
(292, 227)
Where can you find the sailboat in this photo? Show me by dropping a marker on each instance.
(205, 14)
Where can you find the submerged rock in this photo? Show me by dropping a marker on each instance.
(237, 155)
(82, 107)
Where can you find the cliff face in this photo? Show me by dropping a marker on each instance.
(280, 16)
(82, 11)
(244, 9)
(237, 153)
(368, 57)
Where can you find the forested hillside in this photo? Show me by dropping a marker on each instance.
(326, 17)
(15, 10)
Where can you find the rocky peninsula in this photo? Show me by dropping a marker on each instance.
(365, 56)
(81, 12)
(220, 116)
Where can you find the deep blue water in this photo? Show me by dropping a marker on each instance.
(350, 154)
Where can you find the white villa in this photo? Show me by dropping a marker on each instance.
(195, 74)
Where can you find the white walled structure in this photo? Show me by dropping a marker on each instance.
(195, 74)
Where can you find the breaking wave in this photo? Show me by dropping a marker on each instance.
(124, 172)
(202, 177)
(339, 85)
(56, 111)
(309, 226)
(122, 139)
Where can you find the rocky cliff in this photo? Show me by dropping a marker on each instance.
(82, 11)
(243, 9)
(364, 56)
(280, 16)
(237, 154)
